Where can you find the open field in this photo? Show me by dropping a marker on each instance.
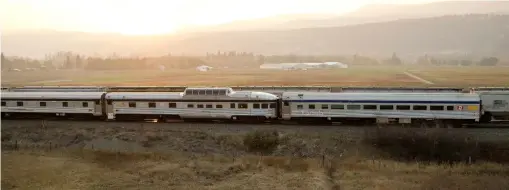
(354, 76)
(100, 155)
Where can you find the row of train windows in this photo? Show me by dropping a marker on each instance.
(232, 105)
(382, 107)
(208, 92)
(43, 104)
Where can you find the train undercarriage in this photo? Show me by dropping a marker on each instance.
(379, 122)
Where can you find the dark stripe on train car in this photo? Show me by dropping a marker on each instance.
(387, 101)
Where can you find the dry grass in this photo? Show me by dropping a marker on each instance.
(354, 76)
(204, 160)
(464, 76)
(104, 170)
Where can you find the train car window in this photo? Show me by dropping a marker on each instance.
(300, 107)
(386, 107)
(42, 104)
(337, 107)
(243, 106)
(219, 106)
(325, 106)
(65, 104)
(190, 106)
(286, 103)
(232, 105)
(256, 106)
(419, 107)
(85, 104)
(19, 103)
(199, 106)
(369, 107)
(151, 104)
(109, 102)
(450, 108)
(172, 105)
(222, 92)
(403, 107)
(4, 103)
(353, 107)
(273, 105)
(132, 104)
(311, 106)
(208, 106)
(436, 108)
(201, 92)
(215, 92)
(209, 92)
(265, 106)
(97, 102)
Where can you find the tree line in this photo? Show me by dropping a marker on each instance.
(70, 60)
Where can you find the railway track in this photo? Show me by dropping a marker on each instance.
(25, 127)
(495, 124)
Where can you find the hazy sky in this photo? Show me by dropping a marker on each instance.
(157, 16)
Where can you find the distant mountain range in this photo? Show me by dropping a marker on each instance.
(479, 27)
(367, 14)
(477, 34)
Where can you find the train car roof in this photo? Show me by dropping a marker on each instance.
(51, 95)
(144, 95)
(253, 95)
(381, 96)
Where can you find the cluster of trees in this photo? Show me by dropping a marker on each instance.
(429, 60)
(69, 60)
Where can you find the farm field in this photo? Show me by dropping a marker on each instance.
(119, 155)
(353, 76)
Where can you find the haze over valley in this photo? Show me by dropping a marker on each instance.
(453, 27)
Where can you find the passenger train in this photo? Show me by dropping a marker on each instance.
(423, 109)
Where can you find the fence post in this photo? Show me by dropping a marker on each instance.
(49, 146)
(16, 145)
(323, 160)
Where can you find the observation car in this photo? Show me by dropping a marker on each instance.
(52, 103)
(193, 103)
(418, 108)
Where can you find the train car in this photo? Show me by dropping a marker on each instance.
(495, 105)
(451, 109)
(59, 89)
(68, 104)
(193, 103)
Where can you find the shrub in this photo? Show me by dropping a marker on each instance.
(261, 141)
(440, 146)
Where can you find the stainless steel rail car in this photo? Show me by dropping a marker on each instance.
(423, 108)
(52, 103)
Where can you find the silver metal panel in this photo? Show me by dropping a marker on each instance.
(496, 103)
(52, 95)
(381, 96)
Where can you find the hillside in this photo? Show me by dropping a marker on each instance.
(366, 14)
(479, 34)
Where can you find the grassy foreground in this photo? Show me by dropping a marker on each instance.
(383, 159)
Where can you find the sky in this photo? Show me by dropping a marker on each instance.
(142, 17)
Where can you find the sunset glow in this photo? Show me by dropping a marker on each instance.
(155, 16)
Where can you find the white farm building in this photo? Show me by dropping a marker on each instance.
(303, 66)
